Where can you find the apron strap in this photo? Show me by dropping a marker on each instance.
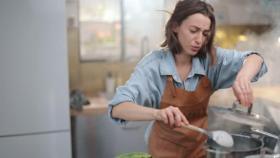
(172, 86)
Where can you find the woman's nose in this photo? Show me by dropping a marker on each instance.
(199, 38)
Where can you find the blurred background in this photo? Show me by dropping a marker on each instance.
(112, 35)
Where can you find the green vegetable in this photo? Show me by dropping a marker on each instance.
(134, 155)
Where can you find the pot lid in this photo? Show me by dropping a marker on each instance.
(238, 115)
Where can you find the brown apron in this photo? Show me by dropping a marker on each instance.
(166, 142)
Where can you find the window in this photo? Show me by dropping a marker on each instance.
(119, 29)
(99, 29)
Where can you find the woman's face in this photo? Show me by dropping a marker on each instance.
(193, 32)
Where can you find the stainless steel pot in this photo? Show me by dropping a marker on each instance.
(264, 156)
(243, 146)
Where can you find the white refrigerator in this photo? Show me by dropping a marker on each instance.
(34, 93)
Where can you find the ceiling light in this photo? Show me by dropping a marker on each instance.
(220, 34)
(242, 38)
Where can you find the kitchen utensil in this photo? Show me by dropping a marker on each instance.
(219, 137)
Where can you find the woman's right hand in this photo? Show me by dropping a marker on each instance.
(172, 116)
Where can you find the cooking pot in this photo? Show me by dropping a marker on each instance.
(243, 146)
(264, 156)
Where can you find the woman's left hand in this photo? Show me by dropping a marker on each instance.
(243, 91)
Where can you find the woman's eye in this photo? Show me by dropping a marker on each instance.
(206, 34)
(193, 31)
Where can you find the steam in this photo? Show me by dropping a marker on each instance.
(255, 12)
(268, 45)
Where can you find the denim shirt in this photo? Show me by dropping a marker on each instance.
(147, 82)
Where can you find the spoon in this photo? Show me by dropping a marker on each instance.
(219, 137)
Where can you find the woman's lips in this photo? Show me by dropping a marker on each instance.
(195, 49)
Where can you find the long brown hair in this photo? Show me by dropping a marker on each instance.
(183, 9)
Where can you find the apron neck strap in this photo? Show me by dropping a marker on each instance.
(171, 85)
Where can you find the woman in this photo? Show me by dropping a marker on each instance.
(173, 85)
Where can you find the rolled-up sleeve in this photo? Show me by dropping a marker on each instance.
(135, 90)
(262, 70)
(228, 64)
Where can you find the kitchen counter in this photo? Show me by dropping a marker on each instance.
(98, 105)
(93, 132)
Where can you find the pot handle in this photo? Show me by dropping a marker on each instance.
(250, 109)
(258, 131)
(237, 104)
(277, 146)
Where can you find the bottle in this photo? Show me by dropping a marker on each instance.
(110, 85)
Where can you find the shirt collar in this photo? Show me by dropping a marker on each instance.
(167, 67)
(197, 68)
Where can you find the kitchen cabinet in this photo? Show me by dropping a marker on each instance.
(95, 135)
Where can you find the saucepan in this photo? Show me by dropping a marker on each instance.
(243, 146)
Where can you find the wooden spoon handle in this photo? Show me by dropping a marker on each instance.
(192, 127)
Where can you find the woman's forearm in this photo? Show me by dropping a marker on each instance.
(134, 112)
(251, 66)
(170, 115)
(242, 85)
